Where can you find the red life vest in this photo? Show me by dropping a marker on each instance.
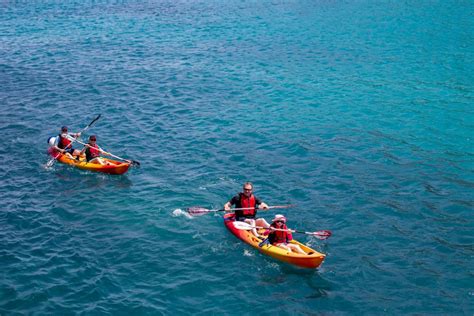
(248, 202)
(278, 236)
(63, 142)
(92, 152)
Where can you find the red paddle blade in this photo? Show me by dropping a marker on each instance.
(198, 211)
(322, 234)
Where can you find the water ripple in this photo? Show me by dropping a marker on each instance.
(359, 114)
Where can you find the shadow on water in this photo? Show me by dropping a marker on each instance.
(311, 278)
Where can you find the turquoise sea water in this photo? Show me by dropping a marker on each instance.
(359, 112)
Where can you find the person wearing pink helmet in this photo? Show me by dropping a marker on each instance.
(280, 236)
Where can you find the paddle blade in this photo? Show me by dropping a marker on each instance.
(198, 211)
(322, 234)
(135, 163)
(242, 225)
(90, 124)
(50, 163)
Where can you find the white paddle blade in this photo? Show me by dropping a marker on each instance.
(242, 225)
(323, 234)
(50, 163)
(198, 211)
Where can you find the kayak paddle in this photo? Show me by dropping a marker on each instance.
(52, 160)
(322, 234)
(199, 211)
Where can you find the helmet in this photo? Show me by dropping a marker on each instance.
(52, 141)
(279, 217)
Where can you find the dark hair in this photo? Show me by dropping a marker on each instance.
(248, 183)
(92, 137)
(64, 129)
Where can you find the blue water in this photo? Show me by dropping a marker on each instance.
(360, 113)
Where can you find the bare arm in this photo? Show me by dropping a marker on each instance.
(59, 149)
(83, 150)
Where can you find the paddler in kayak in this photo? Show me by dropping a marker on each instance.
(246, 199)
(92, 151)
(63, 143)
(281, 238)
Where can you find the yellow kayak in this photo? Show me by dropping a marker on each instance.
(112, 166)
(312, 259)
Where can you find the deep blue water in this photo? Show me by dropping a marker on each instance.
(360, 113)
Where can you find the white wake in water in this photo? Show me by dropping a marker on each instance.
(179, 212)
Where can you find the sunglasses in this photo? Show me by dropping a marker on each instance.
(247, 189)
(279, 221)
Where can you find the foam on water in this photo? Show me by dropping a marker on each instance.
(180, 212)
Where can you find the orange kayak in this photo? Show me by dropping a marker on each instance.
(114, 166)
(312, 259)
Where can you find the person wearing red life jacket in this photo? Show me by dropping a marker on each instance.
(246, 199)
(92, 151)
(63, 143)
(280, 238)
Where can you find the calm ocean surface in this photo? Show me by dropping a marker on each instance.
(359, 112)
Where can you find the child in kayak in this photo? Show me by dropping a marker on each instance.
(92, 151)
(280, 238)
